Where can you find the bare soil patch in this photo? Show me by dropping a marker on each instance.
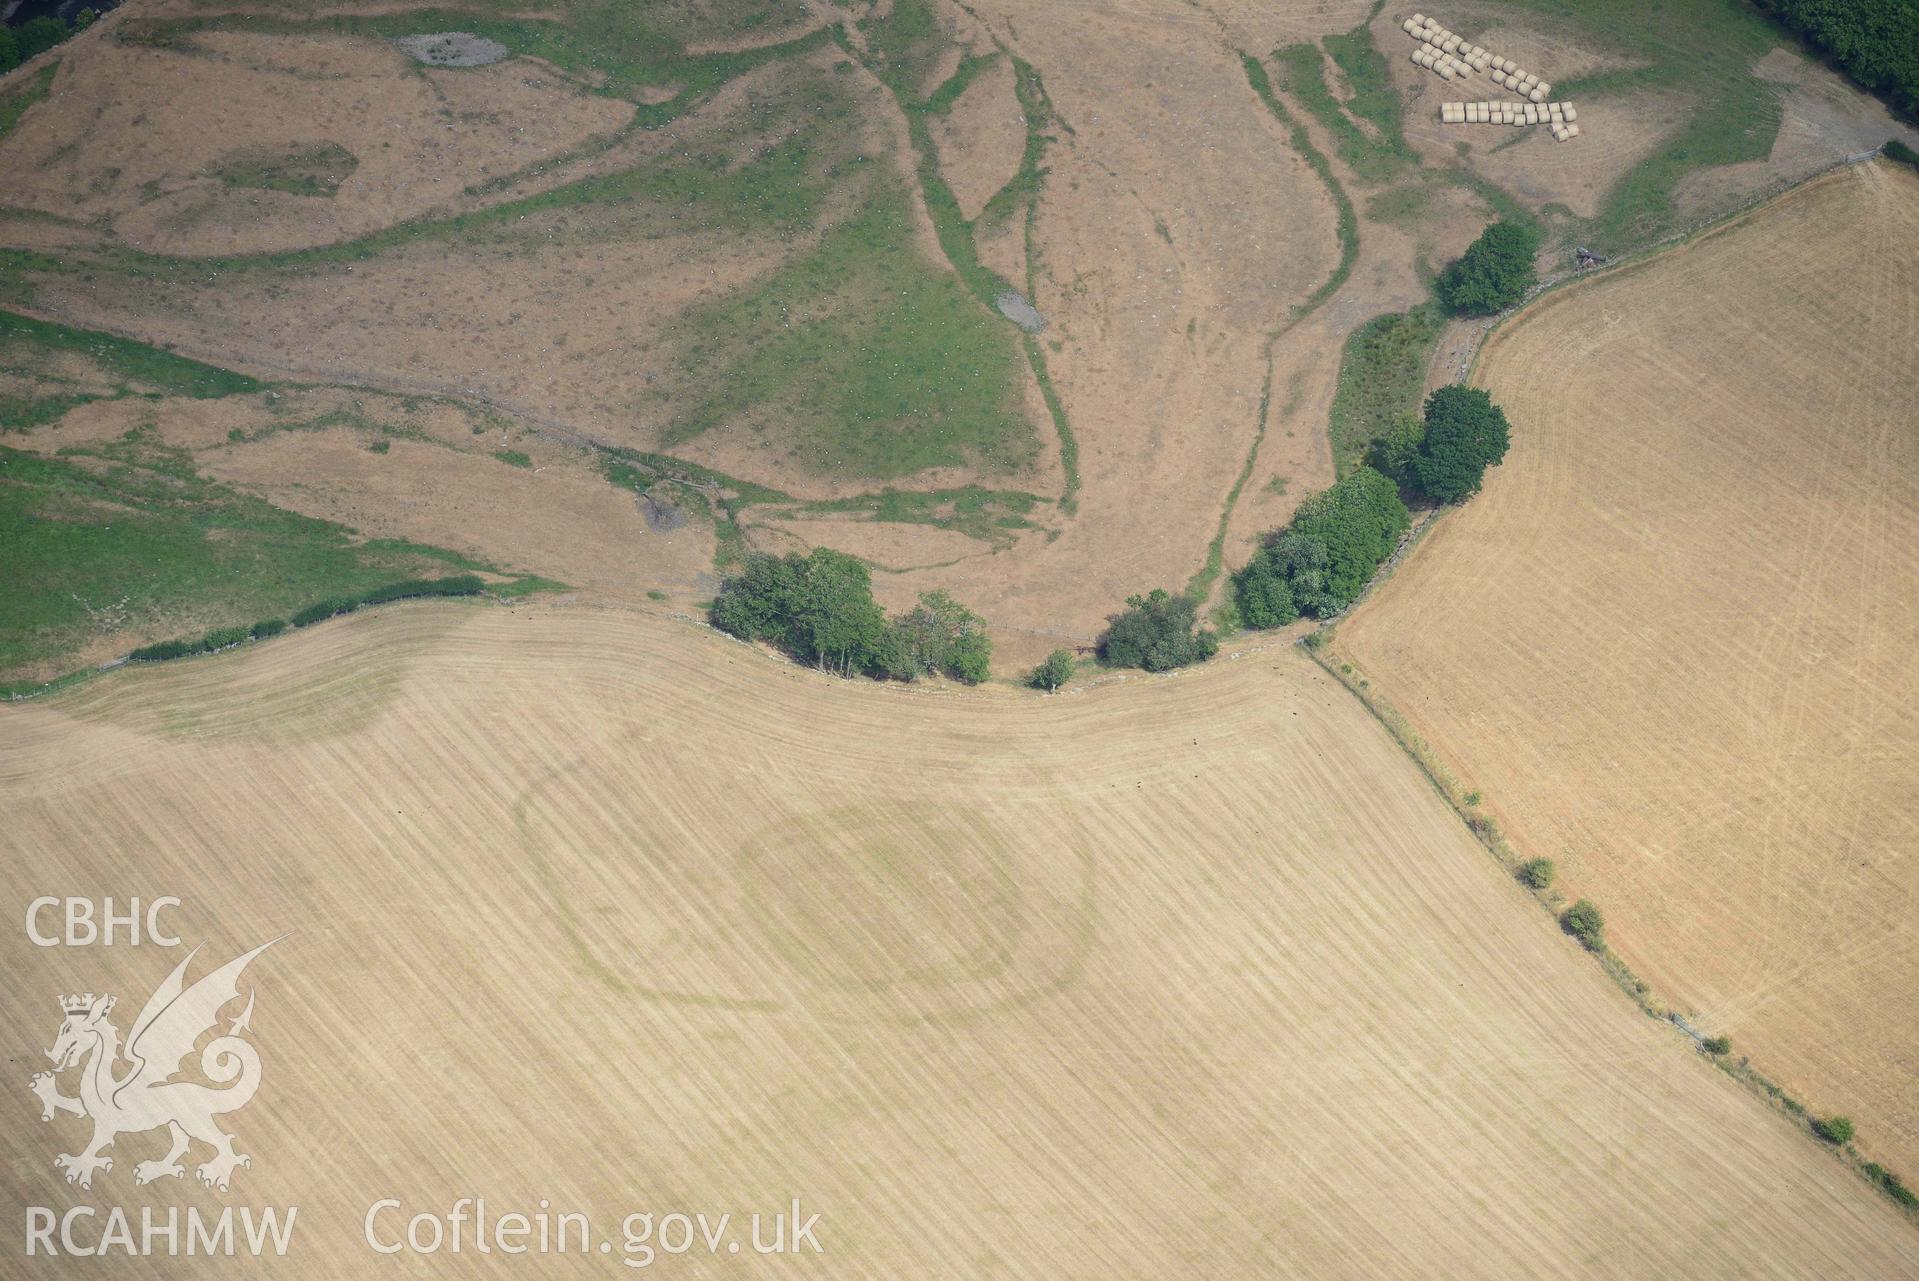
(981, 137)
(1826, 120)
(1617, 131)
(559, 518)
(137, 136)
(888, 545)
(1175, 230)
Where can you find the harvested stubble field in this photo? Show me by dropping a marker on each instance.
(1672, 642)
(1182, 977)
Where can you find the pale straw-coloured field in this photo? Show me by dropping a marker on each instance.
(1672, 642)
(1177, 977)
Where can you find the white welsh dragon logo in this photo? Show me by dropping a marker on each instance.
(145, 1097)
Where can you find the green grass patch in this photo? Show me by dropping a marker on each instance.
(715, 497)
(737, 184)
(1056, 410)
(626, 50)
(941, 100)
(228, 637)
(903, 47)
(302, 171)
(1701, 51)
(1200, 585)
(1347, 228)
(990, 515)
(1381, 375)
(1021, 192)
(28, 340)
(513, 458)
(1374, 99)
(957, 236)
(1498, 199)
(1374, 157)
(19, 98)
(129, 537)
(1406, 205)
(22, 413)
(635, 469)
(869, 360)
(1302, 142)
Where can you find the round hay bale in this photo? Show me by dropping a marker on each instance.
(1569, 113)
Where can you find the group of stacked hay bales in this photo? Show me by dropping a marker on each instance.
(1524, 83)
(1452, 56)
(1561, 116)
(1442, 52)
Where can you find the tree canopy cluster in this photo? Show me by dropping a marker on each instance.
(1156, 633)
(1584, 922)
(1321, 560)
(819, 608)
(1445, 455)
(1053, 673)
(1876, 42)
(1495, 272)
(31, 39)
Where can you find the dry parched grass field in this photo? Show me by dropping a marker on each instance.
(1673, 640)
(1182, 977)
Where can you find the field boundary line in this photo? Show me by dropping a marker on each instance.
(1722, 221)
(1486, 832)
(81, 675)
(1319, 643)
